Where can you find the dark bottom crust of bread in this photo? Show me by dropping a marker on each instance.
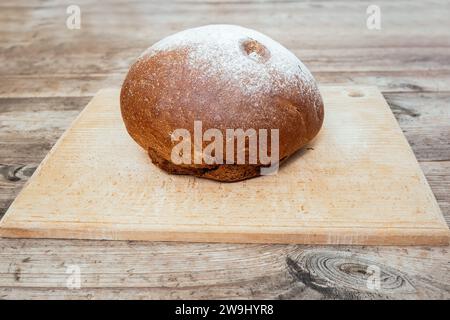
(219, 172)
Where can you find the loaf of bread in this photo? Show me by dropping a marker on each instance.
(224, 77)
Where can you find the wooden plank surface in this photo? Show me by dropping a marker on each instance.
(412, 76)
(37, 269)
(375, 192)
(44, 58)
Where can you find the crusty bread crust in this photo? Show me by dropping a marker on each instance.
(175, 82)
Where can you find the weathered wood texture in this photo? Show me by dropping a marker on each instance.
(37, 269)
(48, 73)
(41, 57)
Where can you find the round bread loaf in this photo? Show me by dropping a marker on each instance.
(227, 77)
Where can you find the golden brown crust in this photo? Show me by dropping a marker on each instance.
(165, 90)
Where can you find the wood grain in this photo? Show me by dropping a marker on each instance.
(376, 193)
(424, 119)
(41, 58)
(120, 270)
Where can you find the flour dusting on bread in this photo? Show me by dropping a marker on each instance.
(217, 49)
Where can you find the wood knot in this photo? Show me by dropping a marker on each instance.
(341, 275)
(16, 172)
(255, 50)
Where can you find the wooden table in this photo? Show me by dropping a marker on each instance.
(49, 72)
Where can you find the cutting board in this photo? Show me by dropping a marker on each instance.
(358, 182)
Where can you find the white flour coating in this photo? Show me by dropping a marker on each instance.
(217, 51)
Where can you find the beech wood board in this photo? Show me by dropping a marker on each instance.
(358, 182)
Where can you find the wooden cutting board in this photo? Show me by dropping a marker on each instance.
(358, 182)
